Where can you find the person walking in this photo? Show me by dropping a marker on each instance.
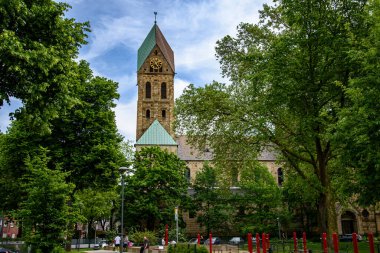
(117, 243)
(146, 244)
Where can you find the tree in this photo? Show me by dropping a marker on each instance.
(44, 213)
(83, 141)
(301, 199)
(37, 50)
(97, 206)
(288, 73)
(212, 202)
(156, 186)
(358, 127)
(258, 201)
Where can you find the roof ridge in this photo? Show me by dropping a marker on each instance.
(156, 134)
(155, 37)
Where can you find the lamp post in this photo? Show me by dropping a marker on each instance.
(122, 170)
(176, 221)
(279, 230)
(95, 222)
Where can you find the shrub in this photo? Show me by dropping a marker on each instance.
(187, 248)
(138, 237)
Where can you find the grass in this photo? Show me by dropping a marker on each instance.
(316, 247)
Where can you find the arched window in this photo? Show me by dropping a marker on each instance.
(148, 89)
(187, 174)
(163, 91)
(147, 114)
(163, 113)
(280, 176)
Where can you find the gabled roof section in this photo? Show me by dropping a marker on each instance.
(187, 152)
(155, 37)
(156, 135)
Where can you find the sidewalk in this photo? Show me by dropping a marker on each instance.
(100, 251)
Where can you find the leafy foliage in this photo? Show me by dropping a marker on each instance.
(359, 125)
(259, 201)
(155, 188)
(37, 48)
(97, 206)
(83, 141)
(302, 201)
(45, 213)
(212, 203)
(65, 110)
(187, 248)
(289, 73)
(137, 237)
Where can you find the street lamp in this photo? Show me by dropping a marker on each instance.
(95, 222)
(122, 171)
(176, 221)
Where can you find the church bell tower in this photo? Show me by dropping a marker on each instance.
(155, 81)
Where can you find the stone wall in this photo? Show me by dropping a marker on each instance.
(155, 103)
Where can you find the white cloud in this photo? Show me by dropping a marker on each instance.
(127, 83)
(179, 86)
(112, 32)
(126, 119)
(191, 28)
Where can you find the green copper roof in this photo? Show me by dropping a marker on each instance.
(146, 47)
(156, 135)
(155, 37)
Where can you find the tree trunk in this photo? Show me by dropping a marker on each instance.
(326, 204)
(327, 213)
(322, 213)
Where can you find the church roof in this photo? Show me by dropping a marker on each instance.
(156, 135)
(187, 152)
(155, 37)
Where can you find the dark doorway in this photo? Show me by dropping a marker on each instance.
(349, 223)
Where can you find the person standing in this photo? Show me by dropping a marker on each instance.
(146, 244)
(126, 242)
(117, 243)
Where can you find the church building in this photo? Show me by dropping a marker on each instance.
(155, 117)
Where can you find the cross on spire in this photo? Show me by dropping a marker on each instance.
(155, 16)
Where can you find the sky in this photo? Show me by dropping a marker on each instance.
(118, 28)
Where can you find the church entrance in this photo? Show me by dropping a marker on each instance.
(349, 223)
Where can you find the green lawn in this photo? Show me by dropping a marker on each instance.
(344, 247)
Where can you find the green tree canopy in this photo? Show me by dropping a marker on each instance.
(258, 200)
(44, 214)
(287, 75)
(83, 141)
(157, 185)
(37, 48)
(212, 201)
(359, 127)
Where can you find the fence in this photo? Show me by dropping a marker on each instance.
(263, 244)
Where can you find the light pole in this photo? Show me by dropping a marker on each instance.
(279, 230)
(122, 170)
(176, 221)
(95, 222)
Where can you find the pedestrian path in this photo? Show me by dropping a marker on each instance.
(100, 251)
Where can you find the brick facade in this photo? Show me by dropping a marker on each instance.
(155, 104)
